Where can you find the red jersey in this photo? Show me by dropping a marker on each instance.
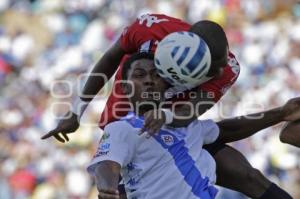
(144, 35)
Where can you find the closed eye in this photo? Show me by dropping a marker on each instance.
(139, 73)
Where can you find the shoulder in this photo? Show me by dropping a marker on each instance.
(210, 124)
(202, 124)
(118, 126)
(207, 129)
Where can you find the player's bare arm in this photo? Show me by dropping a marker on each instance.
(107, 179)
(106, 66)
(244, 126)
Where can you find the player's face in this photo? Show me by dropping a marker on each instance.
(148, 86)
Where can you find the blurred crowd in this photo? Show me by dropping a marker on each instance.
(46, 44)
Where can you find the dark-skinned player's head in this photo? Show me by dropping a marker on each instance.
(215, 37)
(142, 84)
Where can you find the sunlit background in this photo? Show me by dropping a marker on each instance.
(45, 41)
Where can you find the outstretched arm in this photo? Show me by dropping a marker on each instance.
(107, 179)
(106, 66)
(244, 126)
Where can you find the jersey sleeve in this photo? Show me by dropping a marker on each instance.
(127, 38)
(115, 145)
(133, 36)
(218, 87)
(147, 30)
(205, 130)
(211, 131)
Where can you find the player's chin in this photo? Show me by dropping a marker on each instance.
(149, 103)
(151, 98)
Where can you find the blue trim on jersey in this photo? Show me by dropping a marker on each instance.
(183, 161)
(183, 55)
(197, 58)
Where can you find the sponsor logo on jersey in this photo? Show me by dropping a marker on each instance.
(99, 153)
(103, 147)
(168, 139)
(150, 20)
(104, 137)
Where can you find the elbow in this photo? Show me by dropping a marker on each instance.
(283, 137)
(290, 133)
(286, 138)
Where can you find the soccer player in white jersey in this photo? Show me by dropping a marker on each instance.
(171, 164)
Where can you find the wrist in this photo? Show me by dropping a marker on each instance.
(79, 106)
(278, 114)
(281, 113)
(169, 116)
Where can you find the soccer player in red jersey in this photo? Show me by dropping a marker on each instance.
(233, 169)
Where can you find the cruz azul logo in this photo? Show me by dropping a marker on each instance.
(168, 139)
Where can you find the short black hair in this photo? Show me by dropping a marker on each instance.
(215, 37)
(131, 59)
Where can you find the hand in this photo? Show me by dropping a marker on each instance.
(108, 194)
(65, 126)
(154, 120)
(291, 110)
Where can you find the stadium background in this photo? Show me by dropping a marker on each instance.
(45, 41)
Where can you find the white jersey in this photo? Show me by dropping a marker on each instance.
(169, 165)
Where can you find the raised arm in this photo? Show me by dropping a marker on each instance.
(107, 179)
(244, 126)
(106, 66)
